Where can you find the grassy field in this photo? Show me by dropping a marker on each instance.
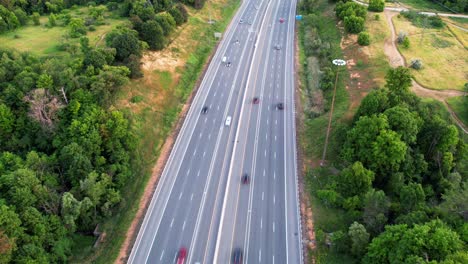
(425, 5)
(461, 35)
(153, 104)
(460, 106)
(444, 59)
(378, 62)
(42, 40)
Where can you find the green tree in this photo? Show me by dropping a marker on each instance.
(398, 82)
(7, 120)
(375, 102)
(405, 123)
(388, 152)
(22, 16)
(71, 208)
(178, 18)
(45, 81)
(10, 232)
(52, 20)
(355, 180)
(143, 10)
(354, 24)
(376, 5)
(77, 27)
(167, 23)
(359, 239)
(153, 34)
(75, 160)
(431, 241)
(125, 42)
(412, 197)
(454, 201)
(35, 18)
(363, 39)
(375, 211)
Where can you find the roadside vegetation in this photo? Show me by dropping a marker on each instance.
(442, 56)
(70, 161)
(153, 108)
(459, 105)
(403, 192)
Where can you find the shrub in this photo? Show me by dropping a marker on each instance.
(416, 64)
(112, 6)
(35, 18)
(376, 5)
(377, 17)
(91, 28)
(22, 16)
(405, 43)
(363, 39)
(52, 20)
(401, 37)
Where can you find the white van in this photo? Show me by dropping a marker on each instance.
(224, 59)
(228, 121)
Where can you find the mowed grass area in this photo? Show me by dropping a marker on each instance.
(444, 58)
(378, 62)
(459, 105)
(153, 103)
(42, 40)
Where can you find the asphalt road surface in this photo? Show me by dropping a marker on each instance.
(200, 203)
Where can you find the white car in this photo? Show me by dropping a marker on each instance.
(228, 121)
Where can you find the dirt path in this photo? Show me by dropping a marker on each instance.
(396, 59)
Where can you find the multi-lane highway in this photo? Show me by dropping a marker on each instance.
(200, 203)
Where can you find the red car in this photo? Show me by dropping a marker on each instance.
(281, 20)
(255, 100)
(181, 255)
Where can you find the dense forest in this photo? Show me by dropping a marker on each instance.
(404, 182)
(396, 190)
(65, 151)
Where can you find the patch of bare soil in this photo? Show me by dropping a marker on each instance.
(396, 59)
(360, 79)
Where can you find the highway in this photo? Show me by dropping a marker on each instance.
(199, 202)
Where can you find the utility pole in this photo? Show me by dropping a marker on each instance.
(338, 63)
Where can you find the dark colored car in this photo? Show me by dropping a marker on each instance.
(181, 255)
(255, 100)
(228, 64)
(280, 106)
(245, 179)
(204, 109)
(281, 20)
(237, 256)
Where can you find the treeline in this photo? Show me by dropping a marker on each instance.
(456, 5)
(14, 14)
(64, 156)
(154, 23)
(404, 182)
